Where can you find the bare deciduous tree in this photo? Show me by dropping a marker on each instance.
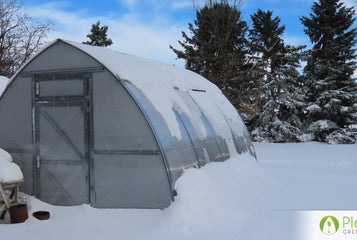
(20, 36)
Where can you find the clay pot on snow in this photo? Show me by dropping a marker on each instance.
(41, 215)
(18, 213)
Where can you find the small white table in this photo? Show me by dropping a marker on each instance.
(9, 193)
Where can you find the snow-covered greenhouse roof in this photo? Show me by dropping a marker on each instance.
(138, 109)
(167, 88)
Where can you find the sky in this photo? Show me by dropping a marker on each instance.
(147, 27)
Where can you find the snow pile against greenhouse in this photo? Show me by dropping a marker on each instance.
(9, 171)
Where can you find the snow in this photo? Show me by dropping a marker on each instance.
(3, 84)
(169, 88)
(9, 171)
(5, 156)
(313, 108)
(234, 199)
(322, 125)
(162, 84)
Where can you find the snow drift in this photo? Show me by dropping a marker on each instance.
(229, 200)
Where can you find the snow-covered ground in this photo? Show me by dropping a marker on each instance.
(230, 200)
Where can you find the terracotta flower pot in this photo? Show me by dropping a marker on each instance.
(41, 215)
(18, 213)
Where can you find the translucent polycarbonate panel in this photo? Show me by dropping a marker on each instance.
(63, 184)
(119, 124)
(61, 87)
(192, 114)
(223, 147)
(198, 130)
(220, 146)
(62, 133)
(211, 144)
(61, 56)
(163, 135)
(241, 136)
(201, 130)
(225, 123)
(16, 116)
(24, 161)
(181, 153)
(156, 121)
(131, 181)
(196, 142)
(243, 144)
(63, 166)
(202, 158)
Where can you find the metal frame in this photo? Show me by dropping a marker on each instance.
(18, 150)
(126, 152)
(211, 129)
(90, 130)
(69, 71)
(84, 100)
(157, 139)
(189, 136)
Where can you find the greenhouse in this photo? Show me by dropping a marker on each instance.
(92, 125)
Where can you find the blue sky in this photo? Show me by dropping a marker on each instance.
(148, 27)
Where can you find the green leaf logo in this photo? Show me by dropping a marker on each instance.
(329, 225)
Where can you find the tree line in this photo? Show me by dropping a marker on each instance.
(256, 70)
(263, 76)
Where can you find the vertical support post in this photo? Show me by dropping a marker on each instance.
(88, 134)
(91, 140)
(35, 139)
(4, 196)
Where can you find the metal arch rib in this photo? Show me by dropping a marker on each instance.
(190, 138)
(147, 119)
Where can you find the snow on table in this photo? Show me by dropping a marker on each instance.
(9, 171)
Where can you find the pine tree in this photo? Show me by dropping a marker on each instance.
(330, 87)
(98, 36)
(280, 98)
(265, 44)
(217, 48)
(265, 37)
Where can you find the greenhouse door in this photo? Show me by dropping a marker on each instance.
(62, 139)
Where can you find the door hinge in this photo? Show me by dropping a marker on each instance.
(37, 93)
(38, 163)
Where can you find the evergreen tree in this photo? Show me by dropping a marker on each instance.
(265, 37)
(218, 47)
(265, 44)
(98, 36)
(280, 98)
(330, 87)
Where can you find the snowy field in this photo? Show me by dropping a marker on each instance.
(230, 200)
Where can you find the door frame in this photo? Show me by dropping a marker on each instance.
(85, 100)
